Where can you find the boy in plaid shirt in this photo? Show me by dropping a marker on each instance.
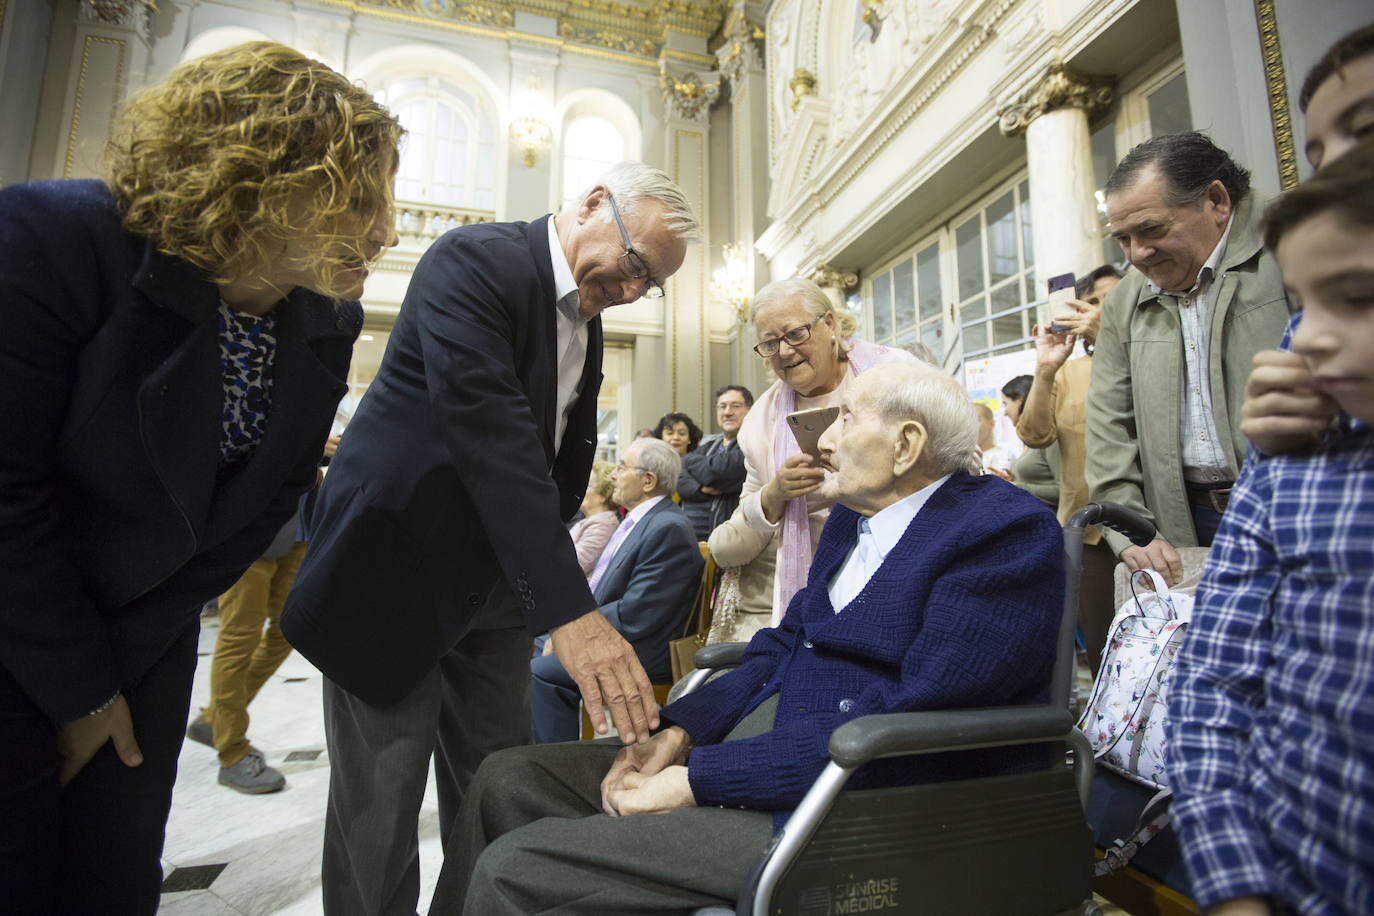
(1271, 750)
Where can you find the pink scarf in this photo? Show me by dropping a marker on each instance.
(794, 551)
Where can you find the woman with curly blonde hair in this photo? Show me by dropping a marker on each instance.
(178, 337)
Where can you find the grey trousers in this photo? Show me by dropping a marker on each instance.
(474, 702)
(531, 838)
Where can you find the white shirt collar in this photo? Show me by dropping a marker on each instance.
(563, 282)
(888, 525)
(642, 509)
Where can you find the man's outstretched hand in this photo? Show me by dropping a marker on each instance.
(606, 671)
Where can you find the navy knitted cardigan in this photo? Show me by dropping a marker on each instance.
(963, 612)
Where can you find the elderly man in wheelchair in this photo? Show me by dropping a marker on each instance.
(931, 589)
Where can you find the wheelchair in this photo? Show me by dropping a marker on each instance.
(1012, 845)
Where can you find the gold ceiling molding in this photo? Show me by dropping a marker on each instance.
(637, 28)
(688, 96)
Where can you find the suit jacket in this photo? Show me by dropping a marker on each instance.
(448, 477)
(115, 522)
(1133, 414)
(648, 587)
(712, 464)
(963, 612)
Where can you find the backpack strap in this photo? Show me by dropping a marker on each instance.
(1153, 818)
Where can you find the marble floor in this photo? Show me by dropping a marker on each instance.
(230, 854)
(260, 854)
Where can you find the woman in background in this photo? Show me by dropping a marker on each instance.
(809, 345)
(679, 431)
(599, 518)
(178, 338)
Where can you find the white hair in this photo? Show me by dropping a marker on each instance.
(803, 292)
(658, 456)
(632, 183)
(941, 405)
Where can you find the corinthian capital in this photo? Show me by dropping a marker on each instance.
(1059, 88)
(688, 97)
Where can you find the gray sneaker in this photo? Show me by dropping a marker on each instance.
(201, 732)
(252, 775)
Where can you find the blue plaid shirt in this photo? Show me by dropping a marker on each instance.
(1271, 741)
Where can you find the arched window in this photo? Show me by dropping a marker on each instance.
(590, 144)
(448, 156)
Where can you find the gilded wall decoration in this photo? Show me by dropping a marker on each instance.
(1060, 87)
(690, 96)
(1276, 85)
(633, 27)
(802, 83)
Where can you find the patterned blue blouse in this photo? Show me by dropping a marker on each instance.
(247, 347)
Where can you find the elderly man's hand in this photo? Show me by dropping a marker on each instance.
(1158, 555)
(1282, 411)
(657, 794)
(667, 748)
(798, 476)
(605, 669)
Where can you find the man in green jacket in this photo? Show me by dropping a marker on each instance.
(1177, 339)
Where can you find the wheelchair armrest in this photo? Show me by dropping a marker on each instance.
(720, 655)
(1117, 517)
(871, 737)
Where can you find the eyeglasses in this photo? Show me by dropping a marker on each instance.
(631, 264)
(623, 468)
(795, 338)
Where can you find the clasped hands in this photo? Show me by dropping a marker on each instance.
(649, 778)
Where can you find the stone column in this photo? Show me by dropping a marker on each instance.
(1054, 115)
(741, 66)
(688, 100)
(109, 46)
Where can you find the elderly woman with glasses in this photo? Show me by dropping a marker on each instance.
(808, 343)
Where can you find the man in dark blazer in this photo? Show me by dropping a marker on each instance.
(930, 589)
(438, 546)
(643, 583)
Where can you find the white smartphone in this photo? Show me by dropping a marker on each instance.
(807, 426)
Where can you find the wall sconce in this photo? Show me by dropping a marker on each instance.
(530, 126)
(732, 281)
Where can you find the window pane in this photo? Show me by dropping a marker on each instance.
(928, 281)
(975, 338)
(882, 307)
(1002, 261)
(904, 295)
(1027, 241)
(969, 243)
(931, 335)
(589, 146)
(974, 309)
(1103, 145)
(1169, 112)
(1007, 297)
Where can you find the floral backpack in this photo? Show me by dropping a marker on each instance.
(1126, 715)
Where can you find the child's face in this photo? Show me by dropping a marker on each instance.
(1341, 111)
(1329, 265)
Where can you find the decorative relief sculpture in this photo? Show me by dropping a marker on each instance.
(803, 83)
(689, 97)
(827, 277)
(1059, 88)
(117, 12)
